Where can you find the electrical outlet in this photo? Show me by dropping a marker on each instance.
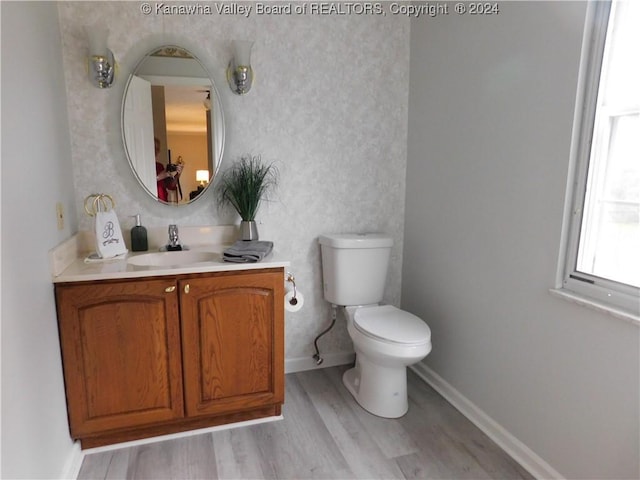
(60, 215)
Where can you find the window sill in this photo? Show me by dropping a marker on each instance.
(595, 305)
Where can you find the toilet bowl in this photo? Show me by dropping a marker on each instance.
(386, 340)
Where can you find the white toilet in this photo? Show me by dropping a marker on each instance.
(386, 339)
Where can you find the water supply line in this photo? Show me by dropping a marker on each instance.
(317, 356)
(291, 279)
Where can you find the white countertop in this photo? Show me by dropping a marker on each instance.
(79, 271)
(70, 266)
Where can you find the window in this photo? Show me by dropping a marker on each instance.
(603, 247)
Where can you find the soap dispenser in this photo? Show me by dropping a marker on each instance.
(139, 241)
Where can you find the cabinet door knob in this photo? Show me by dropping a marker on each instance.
(186, 288)
(170, 289)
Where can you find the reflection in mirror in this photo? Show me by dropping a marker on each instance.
(172, 125)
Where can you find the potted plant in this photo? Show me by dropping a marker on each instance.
(244, 186)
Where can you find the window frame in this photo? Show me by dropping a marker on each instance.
(603, 293)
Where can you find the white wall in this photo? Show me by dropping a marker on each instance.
(36, 173)
(490, 118)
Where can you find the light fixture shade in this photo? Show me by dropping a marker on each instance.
(239, 72)
(242, 52)
(202, 176)
(101, 63)
(98, 35)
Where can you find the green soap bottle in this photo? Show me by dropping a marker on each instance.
(139, 241)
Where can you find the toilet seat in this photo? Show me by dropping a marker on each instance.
(389, 324)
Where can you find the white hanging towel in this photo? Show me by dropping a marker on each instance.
(109, 241)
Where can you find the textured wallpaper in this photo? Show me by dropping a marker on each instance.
(328, 107)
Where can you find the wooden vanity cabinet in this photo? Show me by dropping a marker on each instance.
(121, 354)
(145, 357)
(233, 347)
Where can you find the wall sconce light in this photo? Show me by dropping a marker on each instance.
(202, 176)
(207, 101)
(239, 72)
(101, 62)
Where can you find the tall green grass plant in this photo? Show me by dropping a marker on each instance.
(246, 184)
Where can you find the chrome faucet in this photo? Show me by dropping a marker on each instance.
(174, 240)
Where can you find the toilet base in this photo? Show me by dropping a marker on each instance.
(378, 389)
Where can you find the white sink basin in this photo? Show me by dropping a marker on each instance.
(173, 259)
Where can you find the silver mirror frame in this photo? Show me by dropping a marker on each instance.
(221, 118)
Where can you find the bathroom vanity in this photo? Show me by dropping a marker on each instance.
(163, 342)
(155, 350)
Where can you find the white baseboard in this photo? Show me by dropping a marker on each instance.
(522, 454)
(187, 433)
(74, 462)
(300, 364)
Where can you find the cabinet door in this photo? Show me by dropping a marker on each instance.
(121, 353)
(233, 341)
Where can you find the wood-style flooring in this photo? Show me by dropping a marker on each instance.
(325, 434)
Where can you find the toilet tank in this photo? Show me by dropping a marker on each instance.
(354, 267)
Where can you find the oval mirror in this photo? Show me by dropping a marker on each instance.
(172, 125)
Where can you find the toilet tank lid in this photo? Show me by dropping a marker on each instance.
(356, 240)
